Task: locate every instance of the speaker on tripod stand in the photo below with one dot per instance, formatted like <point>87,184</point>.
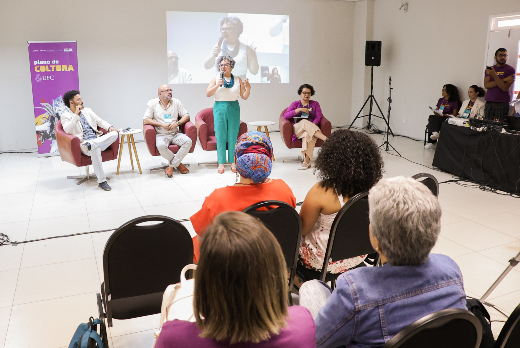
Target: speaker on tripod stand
<point>372,58</point>
<point>373,53</point>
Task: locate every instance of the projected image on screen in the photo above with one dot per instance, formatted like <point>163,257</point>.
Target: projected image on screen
<point>258,43</point>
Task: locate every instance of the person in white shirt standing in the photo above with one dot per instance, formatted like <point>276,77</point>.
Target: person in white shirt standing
<point>166,114</point>
<point>83,123</point>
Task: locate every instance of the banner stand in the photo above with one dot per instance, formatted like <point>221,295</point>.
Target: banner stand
<point>54,71</point>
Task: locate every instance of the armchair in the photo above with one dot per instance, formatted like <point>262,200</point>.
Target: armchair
<point>286,131</point>
<point>70,151</point>
<point>149,136</point>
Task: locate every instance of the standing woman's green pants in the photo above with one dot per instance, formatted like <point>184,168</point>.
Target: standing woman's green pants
<point>226,120</point>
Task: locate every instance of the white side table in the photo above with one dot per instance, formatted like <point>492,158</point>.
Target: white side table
<point>260,124</point>
<point>130,140</point>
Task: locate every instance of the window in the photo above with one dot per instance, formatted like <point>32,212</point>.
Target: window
<point>505,22</point>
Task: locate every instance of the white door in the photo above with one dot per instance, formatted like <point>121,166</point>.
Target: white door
<point>510,40</point>
<point>497,39</point>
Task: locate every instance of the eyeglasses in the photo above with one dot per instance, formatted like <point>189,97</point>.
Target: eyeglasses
<point>223,65</point>
<point>226,29</point>
<point>306,93</point>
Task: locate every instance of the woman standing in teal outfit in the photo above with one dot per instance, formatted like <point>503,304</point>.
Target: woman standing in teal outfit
<point>226,111</point>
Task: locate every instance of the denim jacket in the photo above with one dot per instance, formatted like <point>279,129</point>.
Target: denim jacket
<point>372,304</point>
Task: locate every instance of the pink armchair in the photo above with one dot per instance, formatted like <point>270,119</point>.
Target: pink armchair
<point>204,123</point>
<point>149,136</point>
<point>286,131</point>
<point>70,151</point>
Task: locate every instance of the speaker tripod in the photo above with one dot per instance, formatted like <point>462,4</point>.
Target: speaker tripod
<point>372,100</point>
<point>512,263</point>
<point>386,143</point>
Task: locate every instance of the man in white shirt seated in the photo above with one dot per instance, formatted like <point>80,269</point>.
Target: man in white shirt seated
<point>166,114</point>
<point>83,123</point>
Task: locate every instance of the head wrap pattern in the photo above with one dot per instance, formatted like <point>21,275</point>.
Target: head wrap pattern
<point>253,153</point>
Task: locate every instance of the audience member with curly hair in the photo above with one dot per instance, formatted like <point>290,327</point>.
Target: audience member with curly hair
<point>348,163</point>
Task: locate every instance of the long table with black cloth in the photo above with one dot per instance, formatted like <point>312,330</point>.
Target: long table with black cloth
<point>489,158</point>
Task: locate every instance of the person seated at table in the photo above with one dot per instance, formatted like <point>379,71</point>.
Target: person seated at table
<point>447,106</point>
<point>253,153</point>
<point>372,304</point>
<point>348,163</point>
<point>306,129</point>
<point>473,107</point>
<point>240,293</point>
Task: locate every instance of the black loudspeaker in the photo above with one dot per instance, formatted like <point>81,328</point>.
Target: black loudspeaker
<point>373,53</point>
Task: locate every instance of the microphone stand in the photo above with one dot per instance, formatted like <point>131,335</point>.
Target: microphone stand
<point>388,130</point>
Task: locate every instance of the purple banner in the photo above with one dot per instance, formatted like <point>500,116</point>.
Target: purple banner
<point>54,70</point>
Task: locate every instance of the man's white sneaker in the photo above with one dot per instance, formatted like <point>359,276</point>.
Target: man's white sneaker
<point>428,146</point>
<point>435,136</point>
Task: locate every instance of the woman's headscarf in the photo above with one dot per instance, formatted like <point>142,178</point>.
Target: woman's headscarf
<point>253,154</point>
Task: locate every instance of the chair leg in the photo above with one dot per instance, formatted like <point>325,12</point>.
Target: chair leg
<point>165,165</point>
<point>103,330</point>
<point>425,135</point>
<point>83,178</point>
<point>299,159</point>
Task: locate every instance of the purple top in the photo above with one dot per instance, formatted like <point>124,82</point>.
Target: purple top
<point>448,106</point>
<point>299,333</point>
<point>495,94</point>
<point>314,115</point>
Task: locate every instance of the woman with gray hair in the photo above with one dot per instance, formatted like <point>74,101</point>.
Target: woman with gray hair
<point>372,304</point>
<point>243,51</point>
<point>226,111</point>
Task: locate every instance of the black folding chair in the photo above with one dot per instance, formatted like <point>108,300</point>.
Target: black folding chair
<point>429,181</point>
<point>348,234</point>
<point>139,262</point>
<point>510,335</point>
<point>284,222</point>
<point>449,328</point>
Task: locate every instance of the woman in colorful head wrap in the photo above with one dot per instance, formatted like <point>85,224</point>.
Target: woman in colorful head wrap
<point>253,154</point>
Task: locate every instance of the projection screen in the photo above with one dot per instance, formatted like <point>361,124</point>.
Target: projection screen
<point>259,44</point>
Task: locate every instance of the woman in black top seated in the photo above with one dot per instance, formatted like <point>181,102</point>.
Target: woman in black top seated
<point>447,106</point>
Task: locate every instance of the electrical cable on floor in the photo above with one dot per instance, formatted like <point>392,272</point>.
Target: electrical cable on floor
<point>4,239</point>
<point>4,152</point>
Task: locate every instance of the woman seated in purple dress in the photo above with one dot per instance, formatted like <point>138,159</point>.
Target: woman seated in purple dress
<point>447,106</point>
<point>305,115</point>
<point>240,297</point>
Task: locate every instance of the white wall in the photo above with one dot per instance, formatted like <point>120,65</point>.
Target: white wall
<point>122,58</point>
<point>434,43</point>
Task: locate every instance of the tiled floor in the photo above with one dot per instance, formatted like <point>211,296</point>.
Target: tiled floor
<point>49,287</point>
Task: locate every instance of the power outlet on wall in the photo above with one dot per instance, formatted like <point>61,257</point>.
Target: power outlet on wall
<point>404,120</point>
<point>409,121</point>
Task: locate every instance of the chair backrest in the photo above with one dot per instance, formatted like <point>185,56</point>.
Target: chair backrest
<point>448,328</point>
<point>349,232</point>
<point>429,180</point>
<point>207,116</point>
<point>510,335</point>
<point>144,259</point>
<point>285,223</point>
